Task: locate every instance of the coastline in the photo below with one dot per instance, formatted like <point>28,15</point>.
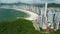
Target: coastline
<point>33,16</point>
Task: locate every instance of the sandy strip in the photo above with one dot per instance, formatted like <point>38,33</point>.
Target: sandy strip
<point>33,16</point>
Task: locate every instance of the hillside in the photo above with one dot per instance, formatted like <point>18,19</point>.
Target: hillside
<point>20,26</point>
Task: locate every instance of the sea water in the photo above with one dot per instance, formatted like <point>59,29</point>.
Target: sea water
<point>10,14</point>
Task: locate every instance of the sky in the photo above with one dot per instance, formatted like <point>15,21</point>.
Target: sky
<point>30,1</point>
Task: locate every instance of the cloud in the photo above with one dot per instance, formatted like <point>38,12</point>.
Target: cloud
<point>8,1</point>
<point>30,1</point>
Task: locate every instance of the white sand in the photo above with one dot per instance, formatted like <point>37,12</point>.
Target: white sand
<point>33,16</point>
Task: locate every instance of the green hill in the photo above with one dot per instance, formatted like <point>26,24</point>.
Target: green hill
<point>20,26</point>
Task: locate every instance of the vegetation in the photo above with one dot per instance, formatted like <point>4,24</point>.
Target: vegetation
<point>20,26</point>
<point>53,5</point>
<point>49,5</point>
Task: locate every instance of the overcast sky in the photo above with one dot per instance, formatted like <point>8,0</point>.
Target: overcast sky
<point>30,1</point>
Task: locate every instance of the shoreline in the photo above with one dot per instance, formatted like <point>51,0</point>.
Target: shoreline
<point>33,16</point>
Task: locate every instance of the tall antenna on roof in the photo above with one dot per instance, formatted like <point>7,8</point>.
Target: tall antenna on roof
<point>46,8</point>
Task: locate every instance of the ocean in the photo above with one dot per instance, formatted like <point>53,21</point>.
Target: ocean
<point>10,14</point>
